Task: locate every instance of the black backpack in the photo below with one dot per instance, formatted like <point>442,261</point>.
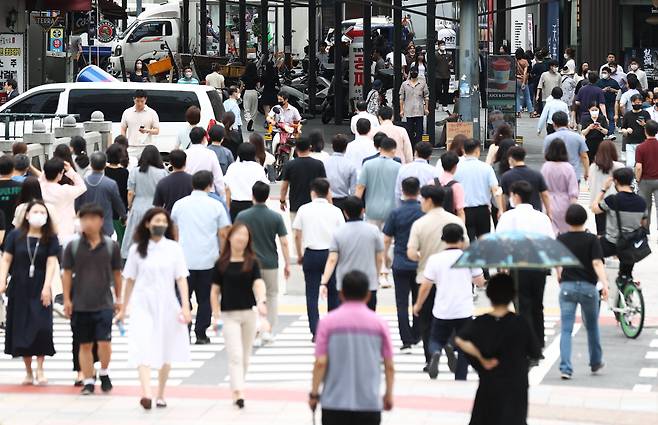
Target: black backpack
<point>449,198</point>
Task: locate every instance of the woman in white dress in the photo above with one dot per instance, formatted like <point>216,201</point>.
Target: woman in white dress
<point>158,334</point>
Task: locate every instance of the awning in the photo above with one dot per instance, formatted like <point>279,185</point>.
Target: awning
<point>111,10</point>
<point>62,5</point>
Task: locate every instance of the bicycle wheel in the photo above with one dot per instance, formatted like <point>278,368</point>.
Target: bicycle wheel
<point>632,317</point>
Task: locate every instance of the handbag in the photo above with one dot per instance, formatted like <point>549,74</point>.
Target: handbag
<point>632,247</point>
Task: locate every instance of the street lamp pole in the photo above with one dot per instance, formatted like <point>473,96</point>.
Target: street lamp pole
<point>469,95</point>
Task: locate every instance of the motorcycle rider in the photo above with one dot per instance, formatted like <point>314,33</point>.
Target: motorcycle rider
<point>285,117</point>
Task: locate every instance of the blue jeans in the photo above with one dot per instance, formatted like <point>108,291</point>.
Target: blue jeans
<point>313,266</point>
<point>610,114</point>
<point>523,98</point>
<point>442,330</point>
<point>405,283</point>
<point>585,294</point>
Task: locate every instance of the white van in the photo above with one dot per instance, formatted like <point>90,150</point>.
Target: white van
<point>170,101</point>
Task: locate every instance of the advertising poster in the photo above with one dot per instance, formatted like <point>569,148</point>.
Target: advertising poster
<point>356,69</point>
<point>648,57</point>
<point>519,26</point>
<point>553,28</point>
<point>12,57</point>
<point>501,93</point>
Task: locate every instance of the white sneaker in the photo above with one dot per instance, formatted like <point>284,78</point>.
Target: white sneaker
<point>384,282</point>
<point>267,338</point>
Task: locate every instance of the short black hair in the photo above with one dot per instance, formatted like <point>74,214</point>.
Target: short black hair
<point>411,186</point>
<point>576,215</point>
<point>623,176</point>
<point>449,160</point>
<point>361,105</point>
<point>320,186</point>
<point>260,191</point>
<point>13,83</point>
<point>377,139</point>
<point>353,207</point>
<point>196,135</point>
<point>593,76</point>
<point>283,94</point>
<point>233,90</point>
<point>185,68</point>
<point>363,126</point>
<point>517,153</point>
<point>385,112</point>
<point>303,145</point>
<point>557,93</point>
<point>388,145</point>
<point>471,145</point>
<point>435,193</point>
<point>115,153</point>
<point>98,161</point>
<point>552,62</point>
<point>21,162</point>
<point>139,93</point>
<point>560,119</point>
<point>6,165</point>
<point>247,152</point>
<point>339,143</point>
<point>424,150</point>
<point>500,289</point>
<point>355,286</point>
<point>216,133</point>
<point>91,208</point>
<point>51,168</point>
<point>651,128</point>
<point>636,97</point>
<point>452,233</point>
<point>177,158</point>
<point>523,189</point>
<point>201,180</point>
<point>556,151</point>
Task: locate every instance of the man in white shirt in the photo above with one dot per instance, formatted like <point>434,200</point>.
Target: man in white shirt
<point>139,123</point>
<point>453,301</point>
<point>215,79</point>
<point>314,226</point>
<point>524,218</point>
<point>403,149</point>
<point>231,105</point>
<point>554,104</point>
<point>362,107</point>
<point>634,68</point>
<point>240,178</point>
<point>362,146</point>
<point>199,157</point>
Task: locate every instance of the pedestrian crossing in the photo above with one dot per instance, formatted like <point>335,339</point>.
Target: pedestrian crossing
<point>59,368</point>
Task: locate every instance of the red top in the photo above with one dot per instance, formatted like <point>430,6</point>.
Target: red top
<point>647,155</point>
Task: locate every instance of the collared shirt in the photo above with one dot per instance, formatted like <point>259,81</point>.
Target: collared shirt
<point>103,191</point>
<point>62,198</point>
<point>421,169</point>
<point>423,235</point>
<point>620,78</point>
<point>575,144</point>
<point>374,122</point>
<point>172,188</point>
<point>341,174</point>
<point>625,100</point>
<point>547,82</point>
<point>317,221</point>
<point>231,105</point>
<point>525,218</point>
<point>414,97</point>
<point>183,136</point>
<point>552,106</point>
<point>378,176</point>
<point>200,158</point>
<point>132,120</point>
<point>358,149</point>
<point>653,113</point>
<point>288,115</point>
<point>215,79</point>
<point>357,243</point>
<point>355,384</point>
<point>398,225</point>
<point>477,178</point>
<point>199,218</point>
<point>240,178</point>
<point>403,149</point>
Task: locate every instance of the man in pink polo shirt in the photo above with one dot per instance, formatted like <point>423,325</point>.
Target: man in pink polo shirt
<point>449,161</point>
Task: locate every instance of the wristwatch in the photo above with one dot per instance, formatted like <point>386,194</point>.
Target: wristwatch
<point>313,396</point>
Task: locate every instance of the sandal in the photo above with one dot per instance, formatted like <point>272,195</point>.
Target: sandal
<point>28,380</point>
<point>41,378</point>
<point>146,403</point>
<point>160,403</point>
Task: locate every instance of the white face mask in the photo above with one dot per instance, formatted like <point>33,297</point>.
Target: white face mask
<point>605,76</point>
<point>188,75</point>
<point>442,48</point>
<point>594,114</point>
<point>511,202</point>
<point>634,67</point>
<point>37,219</point>
<point>566,56</point>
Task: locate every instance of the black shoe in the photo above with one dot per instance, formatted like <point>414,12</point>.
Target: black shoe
<point>250,125</point>
<point>202,340</point>
<point>78,384</point>
<point>405,349</point>
<point>240,403</point>
<point>106,383</point>
<point>598,367</point>
<point>426,367</point>
<point>88,389</point>
<point>433,368</point>
<point>146,403</point>
<point>452,357</point>
<point>533,363</point>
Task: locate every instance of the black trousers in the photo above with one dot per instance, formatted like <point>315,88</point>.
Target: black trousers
<point>76,350</point>
<point>531,300</point>
<point>199,283</point>
<point>415,129</point>
<point>313,267</point>
<point>600,220</point>
<point>425,319</point>
<point>237,207</point>
<point>405,284</point>
<point>610,250</point>
<point>550,129</point>
<point>478,221</point>
<point>443,91</point>
<point>349,417</point>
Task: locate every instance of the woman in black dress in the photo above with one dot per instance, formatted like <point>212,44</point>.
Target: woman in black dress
<point>270,83</point>
<point>31,258</point>
<point>499,345</point>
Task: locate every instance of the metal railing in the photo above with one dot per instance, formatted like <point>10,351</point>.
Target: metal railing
<point>20,119</point>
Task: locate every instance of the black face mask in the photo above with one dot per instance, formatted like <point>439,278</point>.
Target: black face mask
<point>637,107</point>
<point>413,75</point>
<point>282,103</point>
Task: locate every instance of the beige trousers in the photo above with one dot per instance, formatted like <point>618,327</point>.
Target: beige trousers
<point>239,335</point>
<point>271,278</point>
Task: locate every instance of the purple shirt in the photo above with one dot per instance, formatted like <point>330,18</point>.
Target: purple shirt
<point>587,95</point>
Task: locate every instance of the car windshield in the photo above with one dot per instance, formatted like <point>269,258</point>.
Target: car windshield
<point>127,31</point>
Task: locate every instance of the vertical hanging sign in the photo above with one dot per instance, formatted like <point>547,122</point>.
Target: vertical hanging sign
<point>519,26</point>
<point>12,56</point>
<point>553,28</point>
